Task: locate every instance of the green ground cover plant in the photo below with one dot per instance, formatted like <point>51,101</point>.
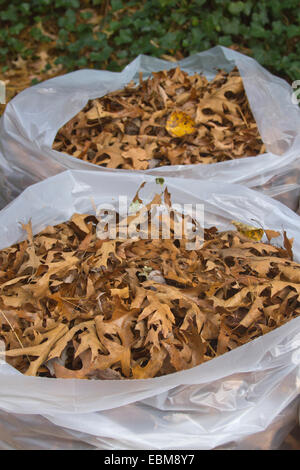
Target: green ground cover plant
<point>108,34</point>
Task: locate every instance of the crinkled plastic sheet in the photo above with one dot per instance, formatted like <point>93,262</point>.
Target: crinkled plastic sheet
<point>246,398</point>
<point>32,119</point>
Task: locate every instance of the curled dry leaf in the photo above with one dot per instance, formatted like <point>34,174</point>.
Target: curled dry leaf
<point>74,306</point>
<point>254,233</point>
<point>169,119</point>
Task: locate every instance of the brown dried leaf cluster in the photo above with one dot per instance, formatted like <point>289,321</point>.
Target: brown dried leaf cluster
<point>128,128</point>
<point>75,306</point>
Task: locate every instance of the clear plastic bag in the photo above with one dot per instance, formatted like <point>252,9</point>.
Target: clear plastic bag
<point>246,398</point>
<point>32,119</point>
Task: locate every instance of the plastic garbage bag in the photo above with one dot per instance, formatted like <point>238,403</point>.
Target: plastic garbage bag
<point>246,398</point>
<point>32,119</point>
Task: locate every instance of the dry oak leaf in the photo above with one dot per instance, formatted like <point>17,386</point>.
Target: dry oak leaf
<point>249,231</point>
<point>41,351</point>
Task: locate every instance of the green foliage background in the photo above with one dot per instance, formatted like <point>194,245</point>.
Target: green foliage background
<point>109,34</point>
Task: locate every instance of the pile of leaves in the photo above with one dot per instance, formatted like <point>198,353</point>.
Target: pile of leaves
<point>73,305</point>
<point>169,119</point>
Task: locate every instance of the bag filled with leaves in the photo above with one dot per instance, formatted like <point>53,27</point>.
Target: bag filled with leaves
<point>198,330</point>
<point>203,117</point>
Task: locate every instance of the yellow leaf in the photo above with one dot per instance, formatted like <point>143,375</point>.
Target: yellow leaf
<point>180,124</point>
<point>253,233</point>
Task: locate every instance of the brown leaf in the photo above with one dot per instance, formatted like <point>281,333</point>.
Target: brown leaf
<point>271,234</point>
<point>288,243</point>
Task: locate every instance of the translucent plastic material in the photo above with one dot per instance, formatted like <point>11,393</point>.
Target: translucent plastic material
<point>32,119</point>
<point>246,398</point>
